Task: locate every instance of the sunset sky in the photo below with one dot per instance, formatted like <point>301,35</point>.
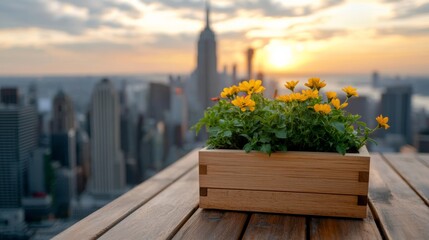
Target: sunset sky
<point>42,37</point>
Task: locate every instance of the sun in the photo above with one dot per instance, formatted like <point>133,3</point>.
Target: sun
<point>278,55</point>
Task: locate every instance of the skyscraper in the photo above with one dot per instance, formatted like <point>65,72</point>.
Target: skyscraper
<point>18,140</point>
<point>396,104</point>
<point>207,76</point>
<point>107,167</point>
<point>9,95</point>
<point>63,118</point>
<point>249,56</point>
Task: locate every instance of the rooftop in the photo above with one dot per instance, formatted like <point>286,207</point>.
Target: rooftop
<point>166,206</point>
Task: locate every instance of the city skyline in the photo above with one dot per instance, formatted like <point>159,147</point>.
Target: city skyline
<point>130,36</point>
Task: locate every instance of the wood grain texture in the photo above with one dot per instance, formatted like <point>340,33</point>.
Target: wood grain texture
<point>283,202</point>
<point>413,171</point>
<point>163,215</point>
<point>290,171</point>
<point>280,183</point>
<point>100,221</point>
<point>402,214</point>
<point>306,182</point>
<point>275,226</point>
<point>213,224</point>
<point>424,158</point>
<point>322,228</point>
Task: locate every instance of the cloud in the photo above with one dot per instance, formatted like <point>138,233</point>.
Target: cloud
<point>69,16</point>
<point>404,31</point>
<point>271,8</point>
<point>413,11</point>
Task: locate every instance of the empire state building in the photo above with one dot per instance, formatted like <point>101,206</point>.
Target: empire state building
<point>208,85</point>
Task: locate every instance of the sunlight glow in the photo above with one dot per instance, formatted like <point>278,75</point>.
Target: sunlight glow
<point>279,55</point>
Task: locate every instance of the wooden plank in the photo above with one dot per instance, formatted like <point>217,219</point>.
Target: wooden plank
<point>213,224</point>
<point>401,213</point>
<point>286,160</point>
<point>339,228</point>
<point>275,226</point>
<point>282,183</point>
<point>363,154</point>
<point>290,171</point>
<point>284,202</point>
<point>413,171</point>
<point>424,158</point>
<point>100,221</point>
<point>163,215</point>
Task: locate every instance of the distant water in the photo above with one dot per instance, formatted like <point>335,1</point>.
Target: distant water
<point>363,83</point>
<point>80,87</point>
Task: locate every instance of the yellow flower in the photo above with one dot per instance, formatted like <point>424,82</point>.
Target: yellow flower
<point>322,108</point>
<point>315,83</point>
<point>382,121</point>
<point>244,103</point>
<point>299,97</point>
<point>284,98</point>
<point>291,85</point>
<point>252,86</point>
<point>229,92</point>
<point>336,103</point>
<point>350,91</point>
<point>331,95</point>
<point>310,93</point>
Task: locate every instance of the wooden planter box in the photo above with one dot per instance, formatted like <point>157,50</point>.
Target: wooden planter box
<point>309,183</point>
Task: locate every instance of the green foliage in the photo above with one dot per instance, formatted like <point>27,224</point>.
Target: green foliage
<point>276,125</point>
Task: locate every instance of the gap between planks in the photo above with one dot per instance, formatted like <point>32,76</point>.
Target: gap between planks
<point>176,230</point>
<point>141,204</point>
<point>377,220</point>
<point>405,179</point>
<point>185,165</point>
<point>246,223</point>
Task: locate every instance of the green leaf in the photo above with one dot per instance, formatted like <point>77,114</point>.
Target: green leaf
<point>341,149</point>
<point>213,130</point>
<point>281,134</point>
<point>227,133</point>
<point>264,139</point>
<point>248,147</point>
<point>266,148</point>
<point>339,126</point>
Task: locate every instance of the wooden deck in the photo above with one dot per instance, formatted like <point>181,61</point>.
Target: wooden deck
<point>166,207</point>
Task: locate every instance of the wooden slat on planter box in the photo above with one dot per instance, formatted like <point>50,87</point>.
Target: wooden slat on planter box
<point>284,202</point>
<point>280,183</point>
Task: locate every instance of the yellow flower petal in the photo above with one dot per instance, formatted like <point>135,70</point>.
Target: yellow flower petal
<point>382,121</point>
<point>291,85</point>
<point>322,108</point>
<point>350,91</point>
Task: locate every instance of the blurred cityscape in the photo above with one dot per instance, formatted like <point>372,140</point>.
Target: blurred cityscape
<point>71,144</point>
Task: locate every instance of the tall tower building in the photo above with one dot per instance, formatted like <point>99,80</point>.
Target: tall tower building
<point>396,104</point>
<point>249,56</point>
<point>18,140</point>
<point>207,76</point>
<point>107,167</point>
<point>63,113</point>
<point>234,74</point>
<point>63,141</point>
<point>9,95</point>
